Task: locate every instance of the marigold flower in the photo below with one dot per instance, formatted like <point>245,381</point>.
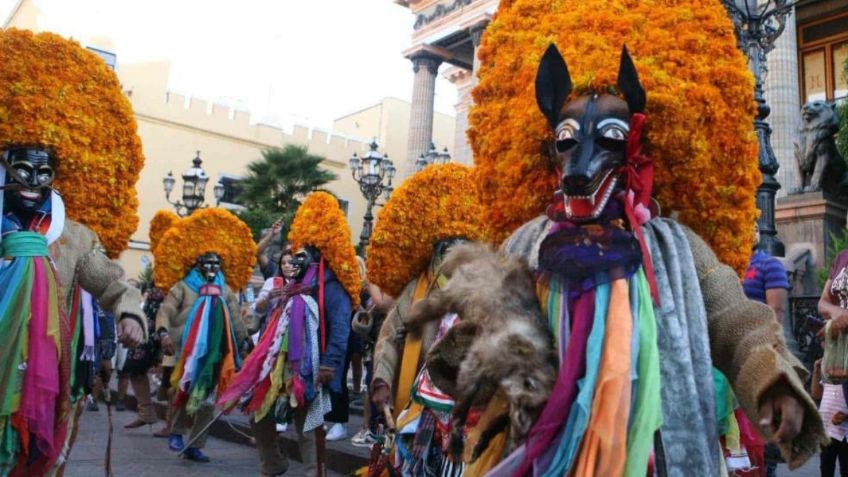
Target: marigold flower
<point>700,108</point>
<point>321,223</point>
<point>440,202</point>
<point>161,222</point>
<point>58,95</point>
<point>206,230</point>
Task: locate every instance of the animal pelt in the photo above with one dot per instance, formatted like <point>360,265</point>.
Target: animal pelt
<point>501,343</point>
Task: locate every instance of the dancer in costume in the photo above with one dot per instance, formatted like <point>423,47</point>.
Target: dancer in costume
<point>198,259</point>
<point>640,306</point>
<point>47,255</point>
<point>430,212</point>
<point>300,354</point>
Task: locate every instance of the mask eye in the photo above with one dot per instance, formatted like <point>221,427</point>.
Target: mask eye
<point>45,175</point>
<point>566,138</point>
<point>614,133</point>
<point>24,170</point>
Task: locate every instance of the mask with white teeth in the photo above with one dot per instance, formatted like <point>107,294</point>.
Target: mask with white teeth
<point>209,264</point>
<point>590,133</point>
<point>29,176</point>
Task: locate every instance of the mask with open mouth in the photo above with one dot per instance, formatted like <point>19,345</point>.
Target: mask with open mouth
<point>209,265</point>
<point>29,176</point>
<point>590,133</point>
<point>302,259</point>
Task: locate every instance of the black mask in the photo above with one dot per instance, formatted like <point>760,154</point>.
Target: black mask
<point>208,264</point>
<point>29,175</point>
<point>303,258</point>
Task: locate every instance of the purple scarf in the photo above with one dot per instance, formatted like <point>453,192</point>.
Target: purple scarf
<point>297,323</point>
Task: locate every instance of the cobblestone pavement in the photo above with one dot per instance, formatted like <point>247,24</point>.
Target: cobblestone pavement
<point>136,453</point>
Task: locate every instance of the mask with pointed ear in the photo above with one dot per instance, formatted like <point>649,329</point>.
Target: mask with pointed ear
<point>629,85</point>
<point>553,84</point>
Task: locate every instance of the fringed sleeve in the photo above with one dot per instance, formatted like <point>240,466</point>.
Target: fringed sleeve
<point>747,345</point>
<point>102,277</point>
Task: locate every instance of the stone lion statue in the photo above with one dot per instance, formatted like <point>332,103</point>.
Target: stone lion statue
<point>819,164</point>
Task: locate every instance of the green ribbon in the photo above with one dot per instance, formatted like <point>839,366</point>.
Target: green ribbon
<point>24,244</point>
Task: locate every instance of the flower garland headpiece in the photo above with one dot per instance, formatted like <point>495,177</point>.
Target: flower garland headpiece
<point>161,223</point>
<point>206,230</point>
<point>57,95</point>
<point>321,223</point>
<point>438,203</point>
<point>699,101</point>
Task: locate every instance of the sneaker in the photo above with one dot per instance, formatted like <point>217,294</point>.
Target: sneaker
<point>337,432</point>
<point>120,406</point>
<point>91,404</point>
<point>282,427</point>
<point>195,454</point>
<point>363,438</point>
<point>175,442</point>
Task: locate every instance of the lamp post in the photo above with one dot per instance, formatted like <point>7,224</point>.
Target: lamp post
<point>194,188</point>
<point>374,173</point>
<point>758,24</point>
<point>432,157</point>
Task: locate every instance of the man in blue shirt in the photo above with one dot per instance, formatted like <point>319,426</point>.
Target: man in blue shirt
<point>766,280</point>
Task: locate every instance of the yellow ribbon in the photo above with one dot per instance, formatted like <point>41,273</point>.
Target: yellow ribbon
<point>411,352</point>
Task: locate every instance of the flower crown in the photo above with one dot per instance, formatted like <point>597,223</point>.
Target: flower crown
<point>700,108</point>
<point>321,223</point>
<point>206,230</point>
<point>438,203</point>
<point>57,95</point>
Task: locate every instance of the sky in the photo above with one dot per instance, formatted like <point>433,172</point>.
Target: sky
<point>304,61</point>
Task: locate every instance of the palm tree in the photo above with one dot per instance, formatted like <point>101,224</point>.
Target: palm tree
<point>275,185</point>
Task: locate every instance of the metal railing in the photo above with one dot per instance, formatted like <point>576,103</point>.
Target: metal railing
<point>805,323</point>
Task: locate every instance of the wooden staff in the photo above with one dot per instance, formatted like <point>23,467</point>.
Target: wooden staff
<point>320,450</point>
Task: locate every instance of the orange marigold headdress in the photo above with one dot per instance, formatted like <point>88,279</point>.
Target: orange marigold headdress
<point>321,223</point>
<point>700,108</point>
<point>58,95</point>
<point>161,222</point>
<point>206,230</point>
<point>438,203</point>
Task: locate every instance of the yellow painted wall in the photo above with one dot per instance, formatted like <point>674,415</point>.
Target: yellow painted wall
<point>388,121</point>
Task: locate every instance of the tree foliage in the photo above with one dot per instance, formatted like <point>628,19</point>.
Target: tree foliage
<point>282,178</point>
<point>275,185</point>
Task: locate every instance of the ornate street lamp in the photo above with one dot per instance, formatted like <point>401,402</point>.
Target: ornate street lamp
<point>432,157</point>
<point>758,24</point>
<point>194,188</point>
<point>374,173</point>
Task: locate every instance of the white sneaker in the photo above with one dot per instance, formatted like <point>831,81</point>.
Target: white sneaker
<point>337,432</point>
<point>363,438</point>
<point>282,427</point>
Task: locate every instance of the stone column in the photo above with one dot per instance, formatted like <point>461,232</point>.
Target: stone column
<point>464,154</point>
<point>476,33</point>
<point>462,79</point>
<point>425,65</point>
<point>782,92</point>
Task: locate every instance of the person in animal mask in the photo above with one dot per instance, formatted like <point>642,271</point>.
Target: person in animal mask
<point>198,322</point>
<point>628,293</point>
<point>299,357</point>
